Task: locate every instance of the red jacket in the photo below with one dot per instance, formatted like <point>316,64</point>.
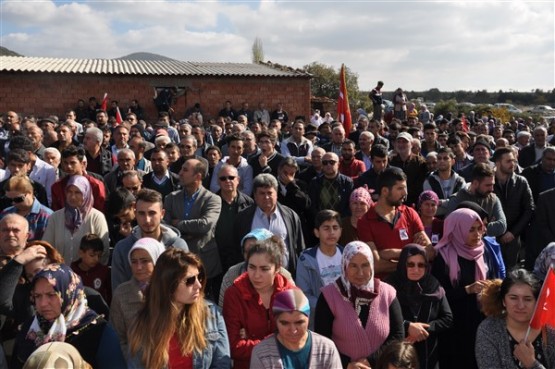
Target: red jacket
<point>243,308</point>
<point>97,187</point>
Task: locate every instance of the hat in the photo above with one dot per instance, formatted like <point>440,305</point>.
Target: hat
<point>56,355</point>
<point>481,142</point>
<point>259,234</point>
<point>427,195</point>
<point>404,135</point>
<point>291,300</point>
<point>150,245</point>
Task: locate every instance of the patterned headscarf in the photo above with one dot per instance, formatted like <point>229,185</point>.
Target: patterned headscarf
<point>75,312</point>
<point>453,244</point>
<point>426,196</point>
<point>544,261</point>
<point>74,217</point>
<point>361,194</point>
<point>291,300</point>
<point>353,248</point>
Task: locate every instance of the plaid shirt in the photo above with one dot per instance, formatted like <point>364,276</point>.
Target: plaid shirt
<point>37,218</point>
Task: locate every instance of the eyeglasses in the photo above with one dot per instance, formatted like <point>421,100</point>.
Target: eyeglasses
<point>410,264</point>
<point>192,279</point>
<point>329,162</point>
<point>18,199</point>
<point>228,178</point>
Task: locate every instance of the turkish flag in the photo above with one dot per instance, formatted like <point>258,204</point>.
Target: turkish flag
<point>545,307</point>
<point>119,119</point>
<point>104,105</point>
<point>343,109</point>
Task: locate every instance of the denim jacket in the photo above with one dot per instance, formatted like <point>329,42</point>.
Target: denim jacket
<point>215,356</point>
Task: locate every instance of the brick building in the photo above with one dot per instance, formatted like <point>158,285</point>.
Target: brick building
<point>43,86</point>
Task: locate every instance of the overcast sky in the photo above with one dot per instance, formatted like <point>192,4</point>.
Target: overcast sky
<point>417,45</point>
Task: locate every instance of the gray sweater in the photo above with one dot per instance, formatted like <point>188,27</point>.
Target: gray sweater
<point>493,349</point>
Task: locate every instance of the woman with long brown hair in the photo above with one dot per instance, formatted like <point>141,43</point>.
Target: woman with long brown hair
<point>184,331</point>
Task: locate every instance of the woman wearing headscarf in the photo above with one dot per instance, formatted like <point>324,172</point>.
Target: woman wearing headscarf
<point>359,203</point>
<point>461,270</point>
<point>545,260</point>
<point>358,312</point>
<point>423,302</point>
<point>427,204</point>
<point>67,226</point>
<point>128,297</point>
<point>62,315</point>
<point>298,347</point>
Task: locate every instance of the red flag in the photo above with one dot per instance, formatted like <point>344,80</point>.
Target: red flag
<point>343,110</point>
<point>119,119</point>
<point>465,123</point>
<point>545,307</point>
<point>104,105</point>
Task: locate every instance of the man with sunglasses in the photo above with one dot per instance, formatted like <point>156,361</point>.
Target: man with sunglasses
<point>233,201</point>
<point>331,190</point>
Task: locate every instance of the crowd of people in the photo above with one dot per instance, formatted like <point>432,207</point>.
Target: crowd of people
<point>261,240</point>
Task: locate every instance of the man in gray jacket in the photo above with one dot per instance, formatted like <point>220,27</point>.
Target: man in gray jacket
<point>149,213</point>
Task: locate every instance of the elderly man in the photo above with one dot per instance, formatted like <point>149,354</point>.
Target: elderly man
<point>233,201</point>
<point>194,210</point>
<point>99,160</point>
<point>126,162</point>
<point>14,232</point>
<point>532,153</point>
<point>337,139</point>
<point>138,145</point>
<point>365,143</point>
<point>36,136</point>
<point>267,213</point>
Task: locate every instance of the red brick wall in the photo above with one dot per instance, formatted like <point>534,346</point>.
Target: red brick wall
<point>42,94</point>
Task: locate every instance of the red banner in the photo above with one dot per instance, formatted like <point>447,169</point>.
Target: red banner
<point>343,109</point>
<point>545,307</point>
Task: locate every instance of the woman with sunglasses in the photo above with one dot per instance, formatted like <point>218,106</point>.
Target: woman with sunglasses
<point>19,191</point>
<point>129,296</point>
<point>461,270</point>
<point>177,327</point>
<point>68,225</point>
<point>247,303</point>
<point>426,312</point>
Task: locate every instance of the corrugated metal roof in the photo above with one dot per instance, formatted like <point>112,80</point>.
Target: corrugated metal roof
<point>145,67</point>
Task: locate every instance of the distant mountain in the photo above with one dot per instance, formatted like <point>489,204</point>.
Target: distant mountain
<point>8,52</point>
<point>144,56</point>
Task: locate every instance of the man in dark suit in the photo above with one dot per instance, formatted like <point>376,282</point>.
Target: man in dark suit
<point>532,153</point>
<point>269,214</point>
<point>194,210</point>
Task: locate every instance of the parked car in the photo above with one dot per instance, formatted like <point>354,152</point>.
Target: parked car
<point>509,107</point>
<point>542,109</point>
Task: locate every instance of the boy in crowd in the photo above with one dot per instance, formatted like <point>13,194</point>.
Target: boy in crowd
<point>321,265</point>
<point>88,267</point>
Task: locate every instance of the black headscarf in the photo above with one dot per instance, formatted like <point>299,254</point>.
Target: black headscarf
<point>414,292</point>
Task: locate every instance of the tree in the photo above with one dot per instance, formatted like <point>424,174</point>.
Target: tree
<point>325,81</point>
<point>257,50</point>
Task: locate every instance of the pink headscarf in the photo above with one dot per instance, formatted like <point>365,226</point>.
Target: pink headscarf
<point>453,244</point>
<point>362,194</point>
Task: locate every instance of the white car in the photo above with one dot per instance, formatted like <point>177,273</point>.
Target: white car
<point>542,109</point>
<point>509,107</point>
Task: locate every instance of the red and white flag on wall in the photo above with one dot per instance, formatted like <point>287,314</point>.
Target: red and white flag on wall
<point>343,109</point>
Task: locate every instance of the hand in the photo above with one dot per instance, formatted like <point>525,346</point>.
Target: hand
<point>418,332</point>
<point>125,229</point>
<point>30,254</point>
<point>390,254</point>
<point>421,239</point>
<point>263,160</point>
<point>243,333</point>
<point>430,252</point>
<point>476,287</point>
<point>308,159</point>
<point>524,352</point>
<point>507,237</point>
<point>285,178</point>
